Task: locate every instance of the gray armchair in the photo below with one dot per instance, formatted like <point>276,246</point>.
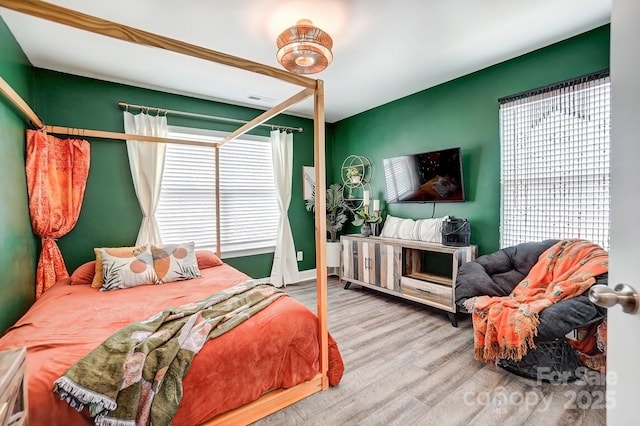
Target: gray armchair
<point>496,274</point>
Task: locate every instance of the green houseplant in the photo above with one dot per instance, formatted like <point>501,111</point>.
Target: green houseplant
<point>353,174</point>
<point>362,216</point>
<point>364,220</point>
<point>336,209</point>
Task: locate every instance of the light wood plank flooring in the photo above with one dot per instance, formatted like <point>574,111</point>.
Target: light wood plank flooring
<point>406,365</point>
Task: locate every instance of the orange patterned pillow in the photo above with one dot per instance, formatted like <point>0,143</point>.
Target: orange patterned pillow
<point>124,252</point>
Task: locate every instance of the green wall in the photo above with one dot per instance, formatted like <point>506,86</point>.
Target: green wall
<point>110,214</point>
<point>17,242</point>
<point>464,112</point>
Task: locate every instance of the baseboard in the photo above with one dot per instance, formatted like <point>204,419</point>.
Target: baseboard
<point>308,275</point>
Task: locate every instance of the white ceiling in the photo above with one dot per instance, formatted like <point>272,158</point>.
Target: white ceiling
<point>383,50</point>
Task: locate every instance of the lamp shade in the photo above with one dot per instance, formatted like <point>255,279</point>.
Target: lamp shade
<point>304,49</point>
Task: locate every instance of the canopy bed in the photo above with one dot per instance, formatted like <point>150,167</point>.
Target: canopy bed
<point>266,402</point>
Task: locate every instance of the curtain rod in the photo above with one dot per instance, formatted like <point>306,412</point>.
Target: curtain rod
<point>36,122</point>
<point>555,86</point>
<point>203,116</point>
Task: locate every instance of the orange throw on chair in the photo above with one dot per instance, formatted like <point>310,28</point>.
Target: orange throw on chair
<point>57,173</point>
<point>504,327</point>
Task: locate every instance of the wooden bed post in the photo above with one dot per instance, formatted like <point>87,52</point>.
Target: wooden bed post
<point>321,228</point>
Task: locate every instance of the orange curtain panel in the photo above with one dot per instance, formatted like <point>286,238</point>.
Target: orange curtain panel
<point>57,173</point>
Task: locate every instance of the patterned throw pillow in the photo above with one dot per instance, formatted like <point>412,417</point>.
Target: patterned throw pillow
<point>126,272</point>
<point>113,251</point>
<point>175,262</point>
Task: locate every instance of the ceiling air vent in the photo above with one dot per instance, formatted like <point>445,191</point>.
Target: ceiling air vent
<point>260,98</point>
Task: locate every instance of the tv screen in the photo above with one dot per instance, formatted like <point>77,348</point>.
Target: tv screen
<point>428,177</point>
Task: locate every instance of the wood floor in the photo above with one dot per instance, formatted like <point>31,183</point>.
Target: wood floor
<point>406,365</point>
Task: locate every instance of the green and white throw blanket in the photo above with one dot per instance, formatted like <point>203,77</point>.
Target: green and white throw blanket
<point>135,376</point>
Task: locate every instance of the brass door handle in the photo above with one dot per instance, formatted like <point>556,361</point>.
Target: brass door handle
<point>623,294</point>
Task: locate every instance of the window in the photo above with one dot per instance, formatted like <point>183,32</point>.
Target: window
<point>249,213</point>
<point>555,162</point>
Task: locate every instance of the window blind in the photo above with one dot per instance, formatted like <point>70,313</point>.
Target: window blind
<point>555,163</point>
<point>249,213</point>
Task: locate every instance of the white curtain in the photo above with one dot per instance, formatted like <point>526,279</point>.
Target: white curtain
<point>146,161</point>
<point>285,266</point>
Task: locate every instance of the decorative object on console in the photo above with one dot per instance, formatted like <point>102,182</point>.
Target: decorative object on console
<point>304,48</point>
<point>365,220</point>
<point>375,227</point>
<point>456,232</point>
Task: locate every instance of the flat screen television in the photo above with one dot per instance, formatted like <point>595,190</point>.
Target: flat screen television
<point>427,177</point>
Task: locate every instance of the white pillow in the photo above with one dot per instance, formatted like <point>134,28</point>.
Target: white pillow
<point>428,230</point>
<point>390,227</point>
<point>405,229</point>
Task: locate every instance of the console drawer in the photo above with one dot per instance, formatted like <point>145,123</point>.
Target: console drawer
<point>438,293</point>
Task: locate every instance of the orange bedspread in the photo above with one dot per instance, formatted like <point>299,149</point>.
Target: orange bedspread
<point>276,348</point>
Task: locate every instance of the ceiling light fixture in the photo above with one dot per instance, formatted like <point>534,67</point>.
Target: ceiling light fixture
<point>304,49</point>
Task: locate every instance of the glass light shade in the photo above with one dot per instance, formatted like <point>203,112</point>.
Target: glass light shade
<point>304,49</point>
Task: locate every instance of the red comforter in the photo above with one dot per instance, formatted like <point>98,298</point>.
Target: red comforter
<point>276,348</point>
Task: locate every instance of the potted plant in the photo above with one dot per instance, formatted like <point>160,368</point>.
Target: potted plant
<point>336,218</point>
<point>354,174</point>
<point>364,220</point>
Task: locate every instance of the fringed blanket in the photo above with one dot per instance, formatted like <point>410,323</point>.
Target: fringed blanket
<point>504,327</point>
<point>135,376</point>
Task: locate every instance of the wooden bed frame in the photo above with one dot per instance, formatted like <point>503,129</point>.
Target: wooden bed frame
<point>280,398</point>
